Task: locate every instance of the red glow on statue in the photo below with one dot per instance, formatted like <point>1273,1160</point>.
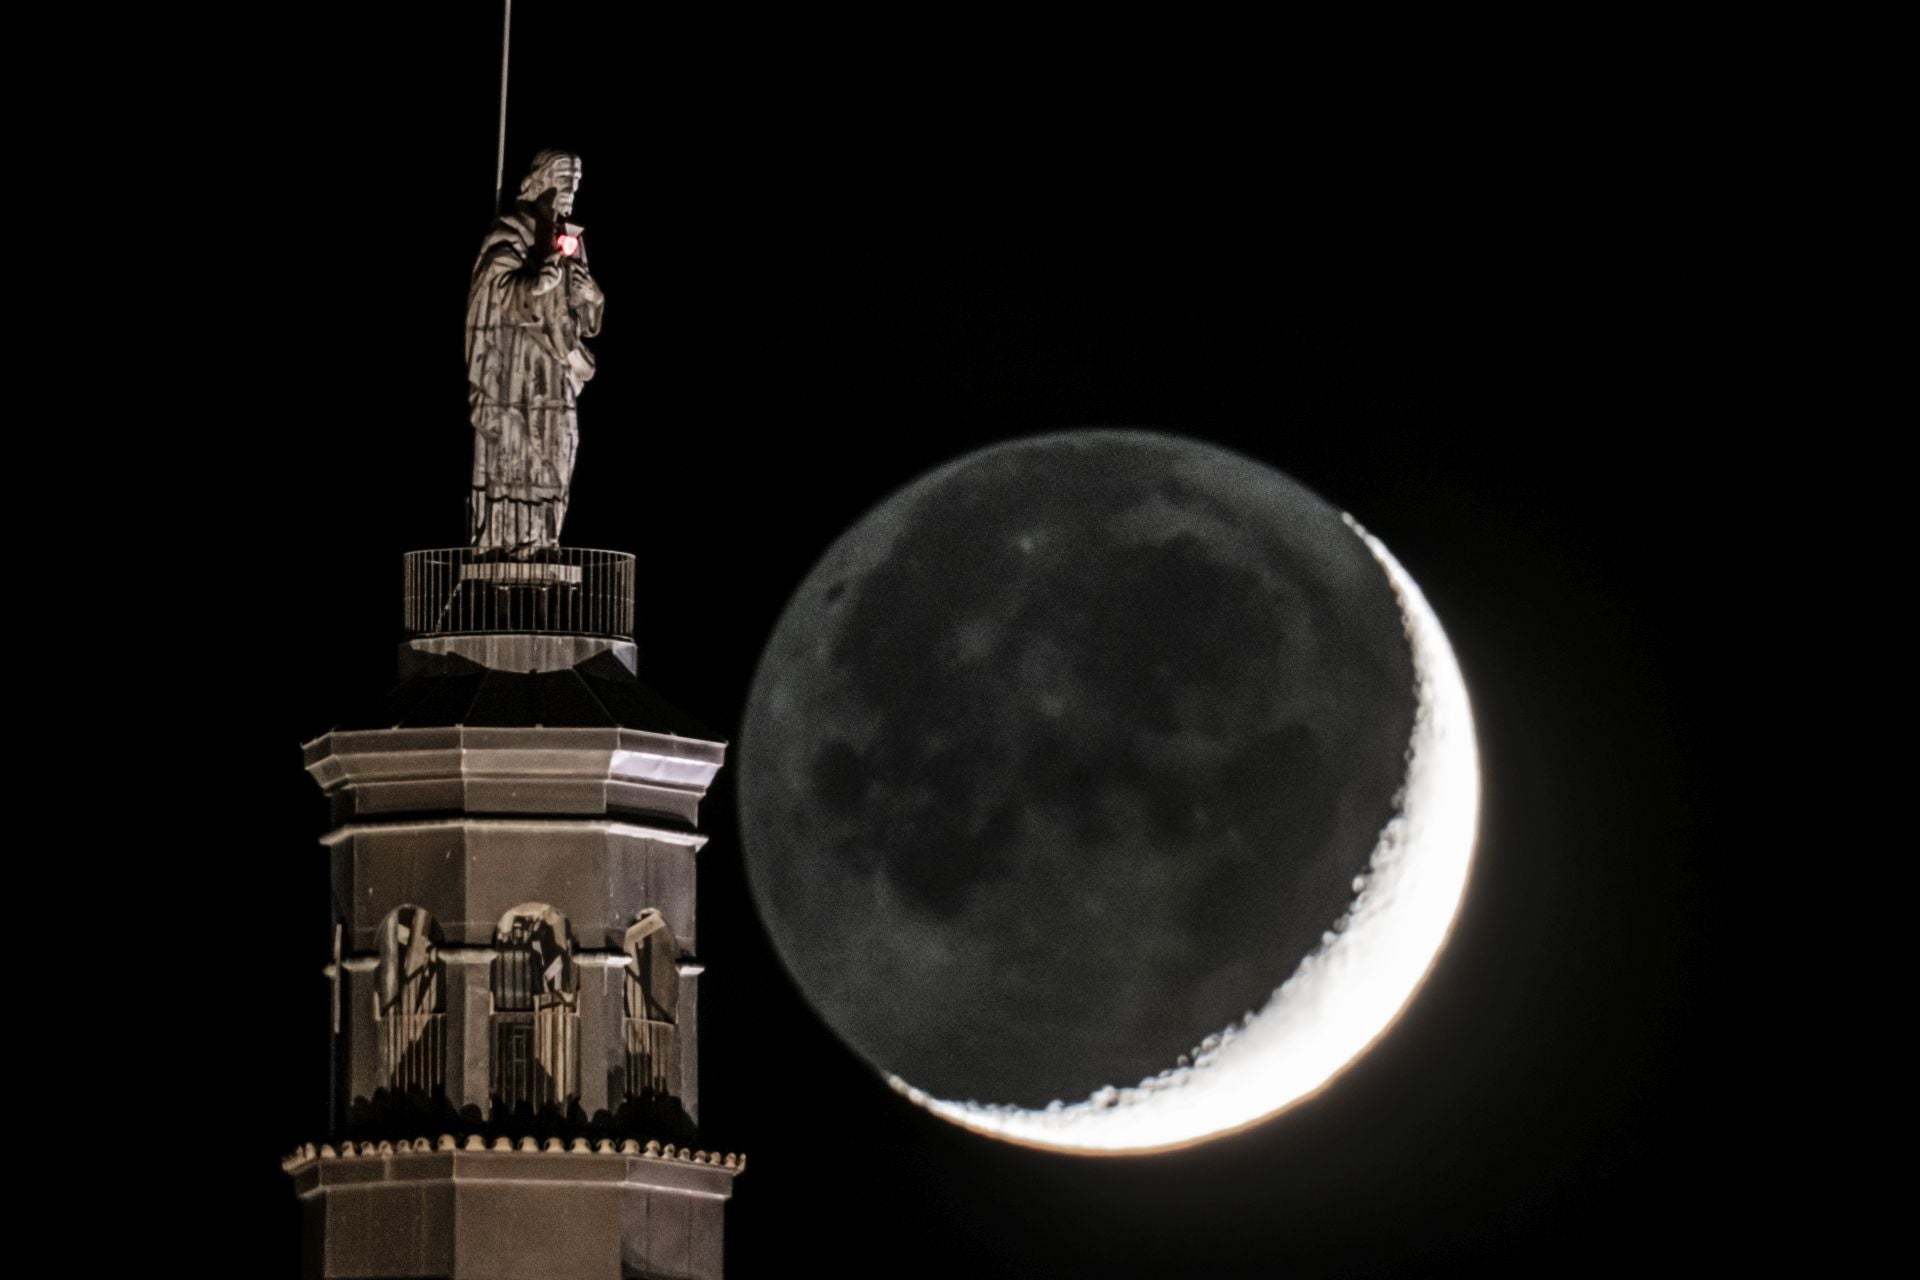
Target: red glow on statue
<point>568,245</point>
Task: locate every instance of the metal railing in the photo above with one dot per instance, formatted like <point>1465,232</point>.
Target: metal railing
<point>457,591</point>
<point>536,1031</point>
<point>653,1058</point>
<point>536,1058</point>
<point>413,1050</point>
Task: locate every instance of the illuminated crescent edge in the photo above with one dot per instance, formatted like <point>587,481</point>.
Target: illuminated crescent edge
<point>1348,992</point>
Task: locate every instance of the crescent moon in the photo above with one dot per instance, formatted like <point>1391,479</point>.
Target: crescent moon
<point>1347,993</point>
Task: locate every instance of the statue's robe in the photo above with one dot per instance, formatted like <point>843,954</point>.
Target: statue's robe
<point>526,363</point>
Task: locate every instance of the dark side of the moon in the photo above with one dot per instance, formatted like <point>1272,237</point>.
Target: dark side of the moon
<point>1066,756</point>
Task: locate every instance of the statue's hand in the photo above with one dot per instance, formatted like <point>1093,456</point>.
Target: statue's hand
<point>551,273</point>
<point>584,287</point>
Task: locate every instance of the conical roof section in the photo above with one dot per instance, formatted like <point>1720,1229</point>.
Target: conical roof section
<point>447,689</point>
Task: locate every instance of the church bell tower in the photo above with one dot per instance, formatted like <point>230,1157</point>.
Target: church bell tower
<point>515,964</point>
<point>515,971</point>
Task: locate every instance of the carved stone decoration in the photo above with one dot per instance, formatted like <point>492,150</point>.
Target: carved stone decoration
<point>531,305</point>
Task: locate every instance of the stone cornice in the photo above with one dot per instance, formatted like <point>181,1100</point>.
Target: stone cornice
<point>373,773</point>
<point>665,835</point>
<point>524,1158</point>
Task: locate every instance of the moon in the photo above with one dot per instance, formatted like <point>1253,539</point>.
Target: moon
<point>1107,791</point>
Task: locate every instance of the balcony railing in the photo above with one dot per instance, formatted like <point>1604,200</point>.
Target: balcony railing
<point>536,1058</point>
<point>413,1050</point>
<point>577,591</point>
<point>653,1058</point>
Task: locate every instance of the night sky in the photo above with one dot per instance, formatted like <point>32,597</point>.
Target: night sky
<point>816,292</point>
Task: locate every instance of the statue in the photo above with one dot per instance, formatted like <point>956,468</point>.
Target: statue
<point>531,305</point>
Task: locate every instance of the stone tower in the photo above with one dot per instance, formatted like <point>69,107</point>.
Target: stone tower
<point>515,974</point>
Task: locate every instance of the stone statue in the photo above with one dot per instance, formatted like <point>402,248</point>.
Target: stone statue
<point>531,305</point>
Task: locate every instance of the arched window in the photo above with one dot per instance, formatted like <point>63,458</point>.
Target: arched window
<point>536,1019</point>
<point>653,995</point>
<point>410,1003</point>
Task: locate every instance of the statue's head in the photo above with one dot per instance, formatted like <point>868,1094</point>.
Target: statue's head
<point>555,171</point>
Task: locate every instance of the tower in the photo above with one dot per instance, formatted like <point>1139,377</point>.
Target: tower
<point>515,973</point>
<point>514,979</point>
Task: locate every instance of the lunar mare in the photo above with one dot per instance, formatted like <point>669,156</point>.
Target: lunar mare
<point>1345,995</point>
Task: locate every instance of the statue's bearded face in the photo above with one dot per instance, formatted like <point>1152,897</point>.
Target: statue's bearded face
<point>566,182</point>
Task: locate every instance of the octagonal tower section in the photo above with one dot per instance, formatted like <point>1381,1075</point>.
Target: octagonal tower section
<point>515,956</point>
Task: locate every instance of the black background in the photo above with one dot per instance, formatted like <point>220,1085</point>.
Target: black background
<point>1464,334</point>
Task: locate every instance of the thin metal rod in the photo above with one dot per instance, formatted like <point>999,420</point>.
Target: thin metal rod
<point>500,154</point>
